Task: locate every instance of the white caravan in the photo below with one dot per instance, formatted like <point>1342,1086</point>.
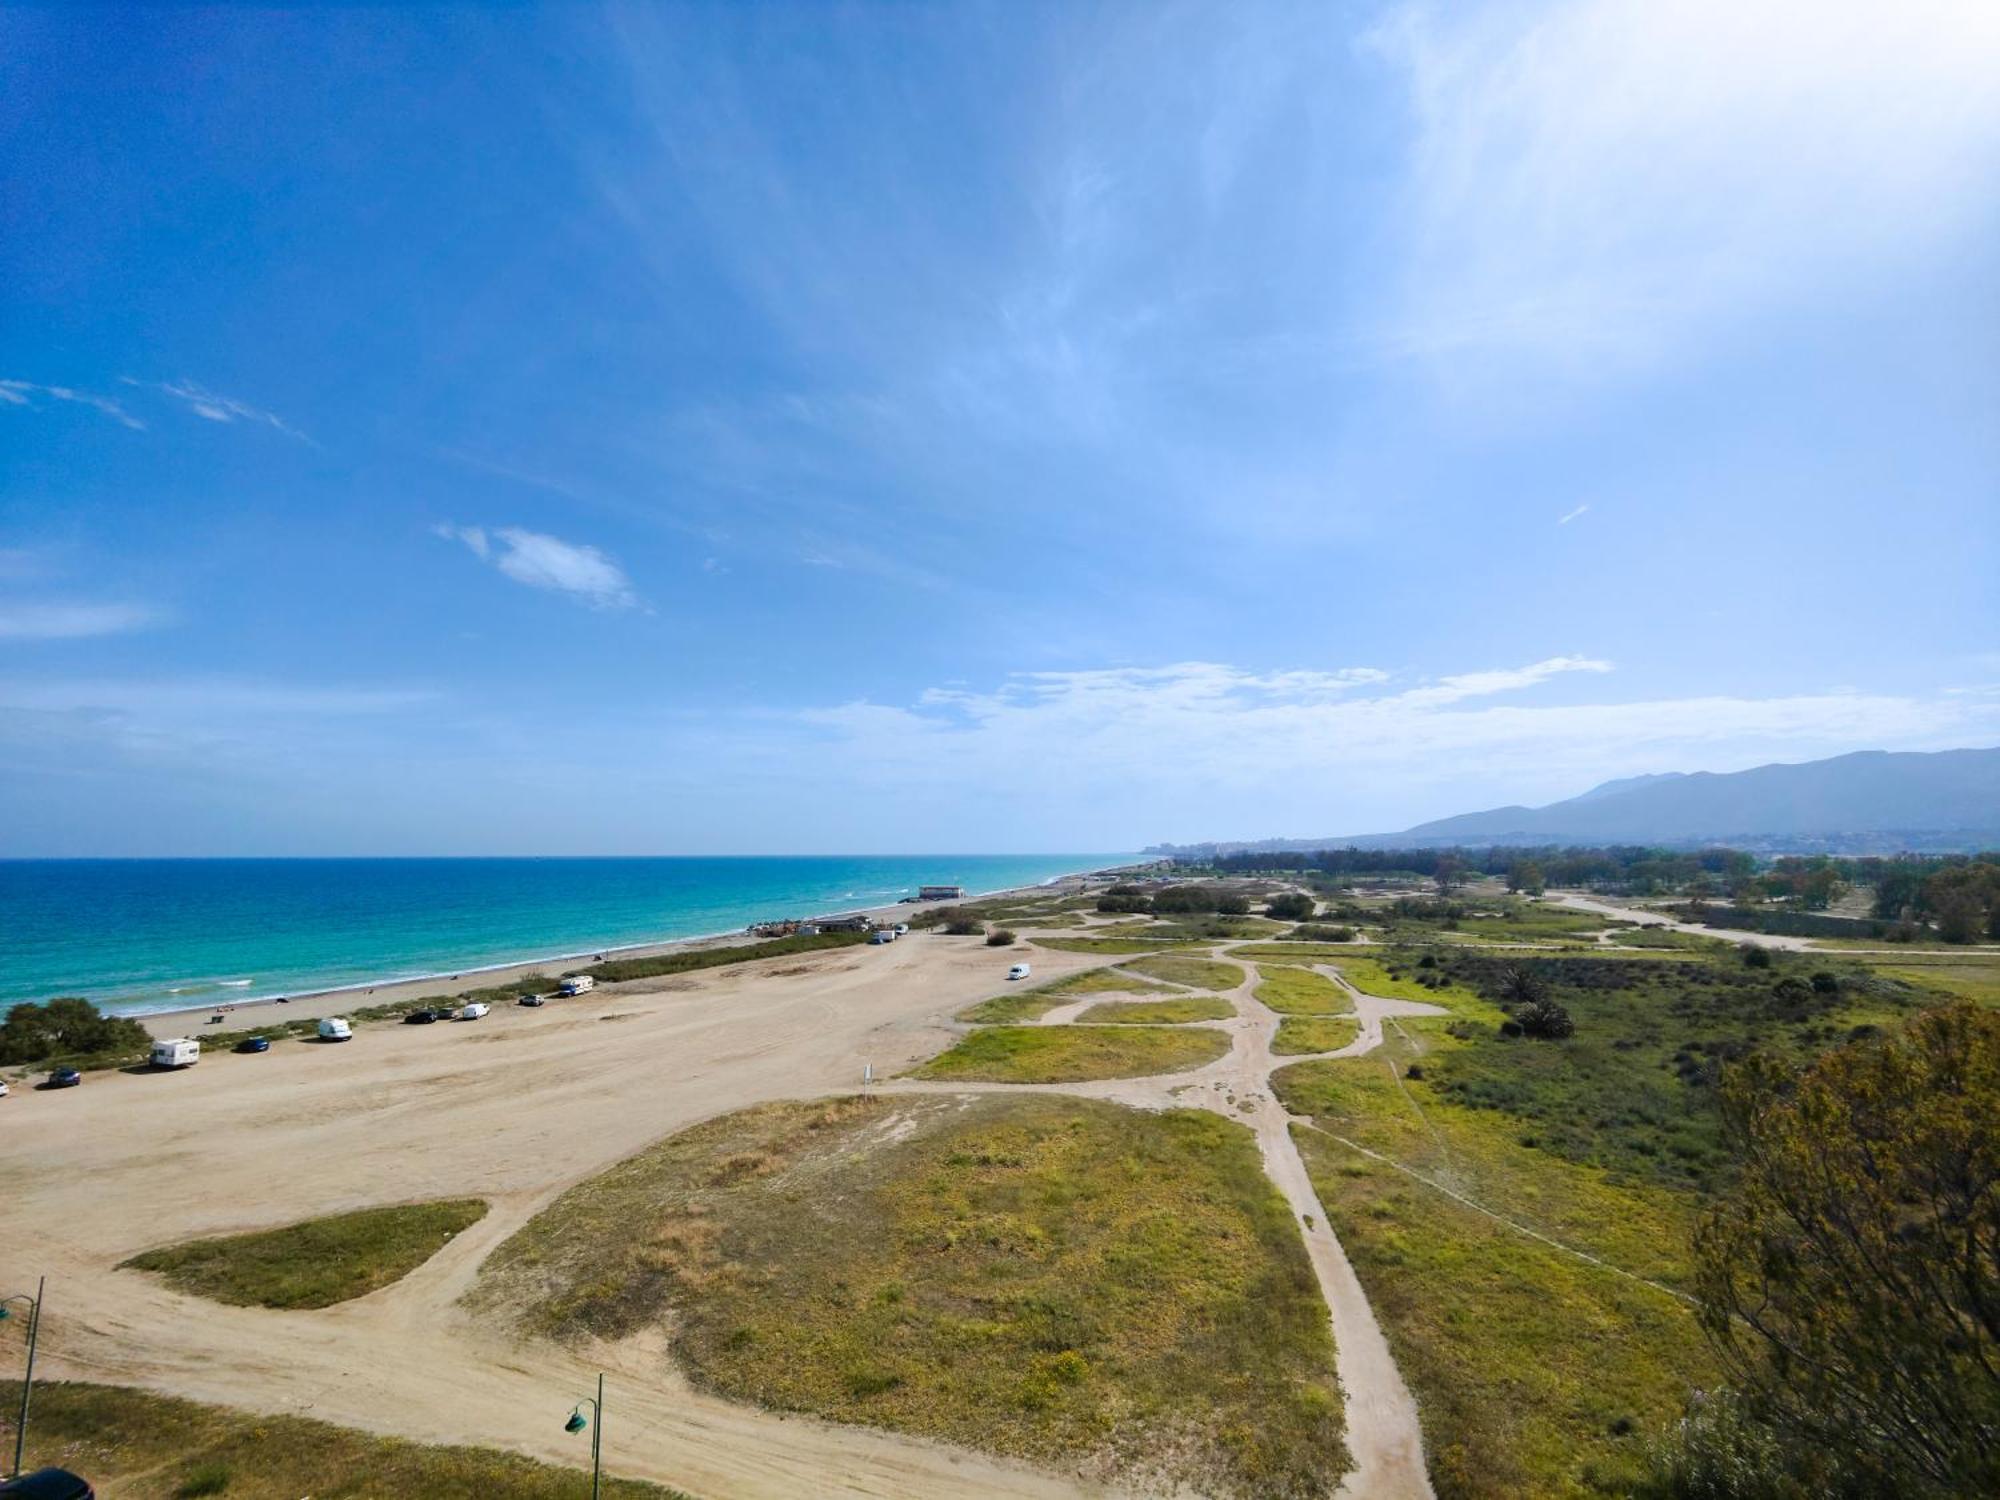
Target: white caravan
<point>176,1052</point>
<point>576,984</point>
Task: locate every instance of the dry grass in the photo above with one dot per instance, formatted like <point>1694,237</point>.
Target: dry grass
<point>1115,1292</point>
<point>1196,973</point>
<point>315,1263</point>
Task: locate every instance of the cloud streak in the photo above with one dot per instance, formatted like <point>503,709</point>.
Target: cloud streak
<point>546,562</point>
<point>67,621</point>
<point>25,392</point>
<point>211,406</point>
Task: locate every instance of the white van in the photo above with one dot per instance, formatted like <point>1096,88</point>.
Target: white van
<point>473,1011</point>
<point>335,1029</point>
<point>176,1052</point>
<point>577,984</point>
<point>902,929</point>
<point>882,935</point>
<point>1019,971</point>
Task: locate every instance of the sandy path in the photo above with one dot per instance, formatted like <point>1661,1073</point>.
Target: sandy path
<point>1383,1433</point>
<point>514,1108</point>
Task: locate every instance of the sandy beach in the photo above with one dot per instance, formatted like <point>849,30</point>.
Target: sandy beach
<point>241,1015</point>
<point>513,1108</point>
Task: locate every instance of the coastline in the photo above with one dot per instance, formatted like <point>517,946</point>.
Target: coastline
<point>192,1020</point>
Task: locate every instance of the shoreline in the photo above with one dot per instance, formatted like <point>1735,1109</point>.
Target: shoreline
<point>192,1020</point>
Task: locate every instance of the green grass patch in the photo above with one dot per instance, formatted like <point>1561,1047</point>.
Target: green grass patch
<point>142,1446</point>
<point>315,1263</point>
<point>1175,1012</point>
<point>1397,975</point>
<point>1537,1374</point>
<point>1300,992</point>
<point>1314,952</point>
<point>1071,1054</point>
<point>1197,973</point>
<point>1118,1293</point>
<point>1031,1004</point>
<point>1299,1034</point>
<point>1107,944</point>
<point>1964,975</point>
<point>617,970</point>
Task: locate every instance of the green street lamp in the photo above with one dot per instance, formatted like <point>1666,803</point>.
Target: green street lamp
<point>595,1422</point>
<point>27,1380</point>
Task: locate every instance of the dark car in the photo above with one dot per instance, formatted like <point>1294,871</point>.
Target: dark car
<point>254,1044</point>
<point>48,1484</point>
<point>420,1018</point>
<point>533,1000</point>
<point>65,1078</point>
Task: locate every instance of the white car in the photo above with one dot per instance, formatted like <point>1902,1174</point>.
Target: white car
<point>1019,971</point>
<point>902,929</point>
<point>474,1011</point>
<point>3,1088</point>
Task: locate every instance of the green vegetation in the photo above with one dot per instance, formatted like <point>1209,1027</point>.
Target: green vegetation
<point>1849,1276</point>
<point>1537,1373</point>
<point>315,1263</point>
<point>1299,1034</point>
<point>1063,1281</point>
<point>1968,976</point>
<point>140,1446</point>
<point>1031,1004</point>
<point>1314,951</point>
<point>1397,976</point>
<point>1107,944</point>
<point>616,970</point>
<point>1198,973</point>
<point>1300,992</point>
<point>1070,1054</point>
<point>1159,1012</point>
<point>72,1031</point>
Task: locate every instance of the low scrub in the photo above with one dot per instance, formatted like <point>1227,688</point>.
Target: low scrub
<point>1174,1012</point>
<point>149,1447</point>
<point>315,1263</point>
<point>1197,973</point>
<point>1303,1034</point>
<point>1073,1054</point>
<point>70,1030</point>
<point>616,970</point>
<point>1117,1293</point>
<point>1030,1004</point>
<point>1300,992</point>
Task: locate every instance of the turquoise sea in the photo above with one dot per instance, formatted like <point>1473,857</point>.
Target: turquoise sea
<point>141,935</point>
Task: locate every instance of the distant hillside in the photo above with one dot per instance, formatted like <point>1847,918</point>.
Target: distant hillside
<point>1871,801</point>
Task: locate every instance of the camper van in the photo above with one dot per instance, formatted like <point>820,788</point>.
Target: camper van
<point>576,984</point>
<point>335,1029</point>
<point>178,1052</point>
<point>473,1011</point>
<point>1019,971</point>
<point>882,935</point>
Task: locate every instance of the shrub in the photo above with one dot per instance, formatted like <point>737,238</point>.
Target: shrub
<point>1316,934</point>
<point>1000,937</point>
<point>66,1027</point>
<point>963,927</point>
<point>1113,902</point>
<point>1825,983</point>
<point>1293,906</point>
<point>1755,957</point>
<point>1545,1019</point>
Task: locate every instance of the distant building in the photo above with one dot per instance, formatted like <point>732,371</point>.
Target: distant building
<point>854,922</point>
<point>940,893</point>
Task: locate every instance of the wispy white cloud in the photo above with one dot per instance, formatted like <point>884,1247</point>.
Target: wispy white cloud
<point>547,562</point>
<point>59,620</point>
<point>1568,516</point>
<point>1599,182</point>
<point>215,407</point>
<point>26,392</point>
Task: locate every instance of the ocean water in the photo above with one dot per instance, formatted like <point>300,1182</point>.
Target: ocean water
<point>140,935</point>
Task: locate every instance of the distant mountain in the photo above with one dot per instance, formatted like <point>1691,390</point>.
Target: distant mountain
<point>1871,801</point>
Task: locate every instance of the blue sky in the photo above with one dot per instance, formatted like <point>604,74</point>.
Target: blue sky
<point>760,428</point>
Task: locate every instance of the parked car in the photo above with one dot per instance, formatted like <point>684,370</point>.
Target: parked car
<point>254,1044</point>
<point>335,1029</point>
<point>1019,971</point>
<point>474,1011</point>
<point>65,1078</point>
<point>420,1018</point>
<point>534,1000</point>
<point>881,935</point>
<point>48,1484</point>
<point>902,929</point>
<point>3,1088</point>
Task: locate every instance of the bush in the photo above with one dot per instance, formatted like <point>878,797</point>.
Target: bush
<point>1756,958</point>
<point>66,1027</point>
<point>1826,983</point>
<point>1291,907</point>
<point>1312,934</point>
<point>1000,937</point>
<point>1546,1019</point>
<point>963,927</point>
<point>1114,902</point>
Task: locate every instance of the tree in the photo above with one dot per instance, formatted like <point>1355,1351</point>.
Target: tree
<point>1545,1019</point>
<point>1292,906</point>
<point>1851,1280</point>
<point>1450,872</point>
<point>1519,986</point>
<point>65,1027</point>
<point>999,937</point>
<point>1525,877</point>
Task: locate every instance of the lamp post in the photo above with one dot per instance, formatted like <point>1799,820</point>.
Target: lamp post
<point>595,1422</point>
<point>28,1379</point>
